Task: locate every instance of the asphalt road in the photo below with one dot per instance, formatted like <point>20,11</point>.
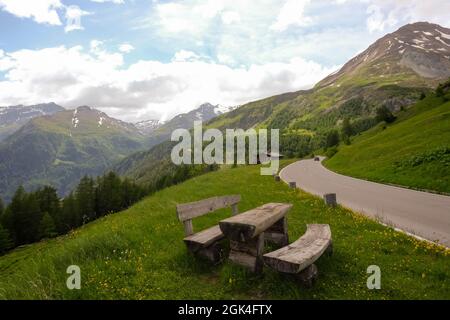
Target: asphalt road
<point>423,214</point>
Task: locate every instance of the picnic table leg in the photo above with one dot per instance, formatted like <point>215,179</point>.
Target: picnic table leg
<point>278,233</point>
<point>248,254</point>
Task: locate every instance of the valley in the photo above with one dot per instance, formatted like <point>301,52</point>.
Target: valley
<point>60,149</point>
<point>383,117</point>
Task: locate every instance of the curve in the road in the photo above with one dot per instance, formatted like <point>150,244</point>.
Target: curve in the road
<point>423,214</point>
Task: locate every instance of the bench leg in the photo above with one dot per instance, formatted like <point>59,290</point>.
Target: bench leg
<point>278,233</point>
<point>213,253</point>
<point>330,250</point>
<point>308,277</point>
<point>248,254</point>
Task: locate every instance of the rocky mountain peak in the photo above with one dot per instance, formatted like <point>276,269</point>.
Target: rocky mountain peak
<point>421,47</point>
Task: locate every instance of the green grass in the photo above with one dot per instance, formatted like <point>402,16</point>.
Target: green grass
<point>384,154</point>
<point>139,253</point>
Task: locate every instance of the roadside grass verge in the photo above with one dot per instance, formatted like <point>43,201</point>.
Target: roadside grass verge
<point>139,253</point>
<point>408,152</point>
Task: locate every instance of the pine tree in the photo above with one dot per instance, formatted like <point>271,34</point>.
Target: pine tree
<point>109,195</point>
<point>71,217</point>
<point>5,240</point>
<point>49,202</point>
<point>13,213</point>
<point>2,207</point>
<point>85,197</point>
<point>23,217</point>
<point>31,219</point>
<point>47,227</point>
<point>332,139</point>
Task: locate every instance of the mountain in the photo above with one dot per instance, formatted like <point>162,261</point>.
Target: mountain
<point>151,165</point>
<point>59,149</point>
<point>417,51</point>
<point>414,151</point>
<point>204,113</point>
<point>395,72</point>
<point>148,126</point>
<point>14,117</point>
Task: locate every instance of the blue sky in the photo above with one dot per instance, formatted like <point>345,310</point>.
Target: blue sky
<point>138,59</point>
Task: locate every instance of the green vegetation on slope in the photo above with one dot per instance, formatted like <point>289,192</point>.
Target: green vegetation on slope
<point>139,253</point>
<point>54,150</point>
<point>33,216</point>
<point>413,152</point>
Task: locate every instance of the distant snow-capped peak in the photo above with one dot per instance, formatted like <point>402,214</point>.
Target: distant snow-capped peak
<point>220,109</point>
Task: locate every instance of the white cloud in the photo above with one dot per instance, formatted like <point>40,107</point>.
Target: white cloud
<point>190,16</point>
<point>184,55</point>
<point>47,12</point>
<point>113,1</point>
<point>126,48</point>
<point>75,76</point>
<point>73,18</point>
<point>41,11</point>
<point>377,21</point>
<point>384,15</point>
<point>292,14</point>
<point>230,17</point>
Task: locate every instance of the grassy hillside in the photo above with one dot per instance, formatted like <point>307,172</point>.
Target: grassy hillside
<point>139,253</point>
<point>414,151</point>
<point>385,75</point>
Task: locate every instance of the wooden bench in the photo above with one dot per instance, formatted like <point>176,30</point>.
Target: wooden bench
<point>298,258</point>
<point>205,243</point>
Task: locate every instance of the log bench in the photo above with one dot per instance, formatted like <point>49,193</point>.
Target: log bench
<point>298,258</point>
<point>205,243</point>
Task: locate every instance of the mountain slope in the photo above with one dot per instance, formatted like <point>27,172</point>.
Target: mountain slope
<point>146,127</point>
<point>140,254</point>
<point>14,117</point>
<point>377,77</point>
<point>59,149</point>
<point>422,47</point>
<point>394,72</point>
<point>204,113</point>
<point>414,151</point>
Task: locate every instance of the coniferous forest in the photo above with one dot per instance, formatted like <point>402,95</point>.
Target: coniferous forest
<point>41,214</point>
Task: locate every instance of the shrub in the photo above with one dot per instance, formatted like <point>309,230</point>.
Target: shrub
<point>331,152</point>
<point>384,114</point>
<point>332,139</point>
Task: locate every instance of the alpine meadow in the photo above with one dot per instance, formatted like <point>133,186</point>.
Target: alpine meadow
<point>244,152</point>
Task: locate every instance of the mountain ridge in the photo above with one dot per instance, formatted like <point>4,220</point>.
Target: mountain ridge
<point>60,149</point>
<point>13,117</point>
<point>306,117</point>
<point>205,112</point>
<point>405,46</point>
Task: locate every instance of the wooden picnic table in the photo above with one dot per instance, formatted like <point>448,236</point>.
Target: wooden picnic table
<point>248,231</point>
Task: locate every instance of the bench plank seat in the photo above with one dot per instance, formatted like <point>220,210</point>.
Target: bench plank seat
<point>205,243</point>
<point>204,238</point>
<point>301,254</point>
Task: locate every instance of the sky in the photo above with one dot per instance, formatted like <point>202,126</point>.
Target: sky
<point>150,59</point>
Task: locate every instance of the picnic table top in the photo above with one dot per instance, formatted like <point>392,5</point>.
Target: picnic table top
<point>248,225</point>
